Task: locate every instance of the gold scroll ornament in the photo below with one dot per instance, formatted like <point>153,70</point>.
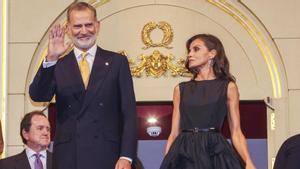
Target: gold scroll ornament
<point>157,65</point>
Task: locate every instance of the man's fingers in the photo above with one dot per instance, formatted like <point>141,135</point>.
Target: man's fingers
<point>51,34</point>
<point>56,29</point>
<point>57,32</point>
<point>61,30</point>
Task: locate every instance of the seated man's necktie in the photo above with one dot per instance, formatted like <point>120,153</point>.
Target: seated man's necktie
<point>38,163</point>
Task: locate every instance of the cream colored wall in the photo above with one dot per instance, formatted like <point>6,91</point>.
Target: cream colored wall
<point>162,88</point>
<point>1,50</point>
<point>281,20</point>
<point>121,24</point>
<point>28,21</point>
<point>3,68</point>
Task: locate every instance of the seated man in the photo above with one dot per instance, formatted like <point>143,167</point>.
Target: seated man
<point>288,156</point>
<point>35,133</point>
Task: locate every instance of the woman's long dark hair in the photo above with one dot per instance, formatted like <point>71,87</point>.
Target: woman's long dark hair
<point>220,61</point>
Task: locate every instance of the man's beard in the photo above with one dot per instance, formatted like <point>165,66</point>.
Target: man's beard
<point>84,44</point>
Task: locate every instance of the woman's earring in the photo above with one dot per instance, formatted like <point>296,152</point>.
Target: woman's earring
<point>211,63</point>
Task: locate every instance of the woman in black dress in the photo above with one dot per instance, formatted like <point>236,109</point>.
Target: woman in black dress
<point>200,106</point>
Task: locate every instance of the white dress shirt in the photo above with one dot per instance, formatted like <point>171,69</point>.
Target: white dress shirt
<point>31,157</point>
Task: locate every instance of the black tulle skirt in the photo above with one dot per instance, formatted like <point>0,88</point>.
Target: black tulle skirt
<point>203,150</point>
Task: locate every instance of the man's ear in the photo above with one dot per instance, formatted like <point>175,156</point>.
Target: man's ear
<point>97,26</point>
<point>25,134</point>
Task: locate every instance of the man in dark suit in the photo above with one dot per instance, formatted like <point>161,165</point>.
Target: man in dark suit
<point>96,114</point>
<point>288,156</point>
<point>35,133</point>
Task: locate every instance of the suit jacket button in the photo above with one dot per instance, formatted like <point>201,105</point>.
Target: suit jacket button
<point>96,137</point>
<point>100,104</point>
<point>69,106</point>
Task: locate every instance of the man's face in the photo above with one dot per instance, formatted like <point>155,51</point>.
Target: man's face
<point>38,136</point>
<point>83,29</point>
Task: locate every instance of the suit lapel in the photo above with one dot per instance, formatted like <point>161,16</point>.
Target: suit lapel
<point>72,73</point>
<point>49,160</point>
<point>100,69</point>
<point>22,161</point>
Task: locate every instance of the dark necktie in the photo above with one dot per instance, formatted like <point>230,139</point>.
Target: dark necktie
<point>38,163</point>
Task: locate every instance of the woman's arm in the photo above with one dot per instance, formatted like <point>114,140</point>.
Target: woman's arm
<point>175,119</point>
<point>237,137</point>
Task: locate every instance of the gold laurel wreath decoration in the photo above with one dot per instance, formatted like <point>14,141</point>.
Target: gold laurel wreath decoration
<point>147,29</point>
<point>167,31</point>
<point>168,34</point>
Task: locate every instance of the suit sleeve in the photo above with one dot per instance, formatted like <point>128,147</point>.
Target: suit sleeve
<point>43,87</point>
<point>281,157</point>
<point>128,108</point>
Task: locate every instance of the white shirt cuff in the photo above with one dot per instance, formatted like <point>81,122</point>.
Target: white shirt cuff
<point>126,158</point>
<point>48,64</point>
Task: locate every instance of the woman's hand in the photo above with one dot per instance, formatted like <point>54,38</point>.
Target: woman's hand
<point>250,165</point>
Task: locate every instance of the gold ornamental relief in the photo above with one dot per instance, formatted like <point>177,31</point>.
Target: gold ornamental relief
<point>157,65</point>
<point>166,40</point>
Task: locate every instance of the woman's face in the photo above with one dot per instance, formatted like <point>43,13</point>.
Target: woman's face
<point>199,55</point>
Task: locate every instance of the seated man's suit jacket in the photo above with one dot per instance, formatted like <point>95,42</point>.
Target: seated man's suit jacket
<point>288,156</point>
<point>20,161</point>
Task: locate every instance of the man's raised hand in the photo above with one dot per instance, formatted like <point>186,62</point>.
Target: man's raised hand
<point>56,46</point>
